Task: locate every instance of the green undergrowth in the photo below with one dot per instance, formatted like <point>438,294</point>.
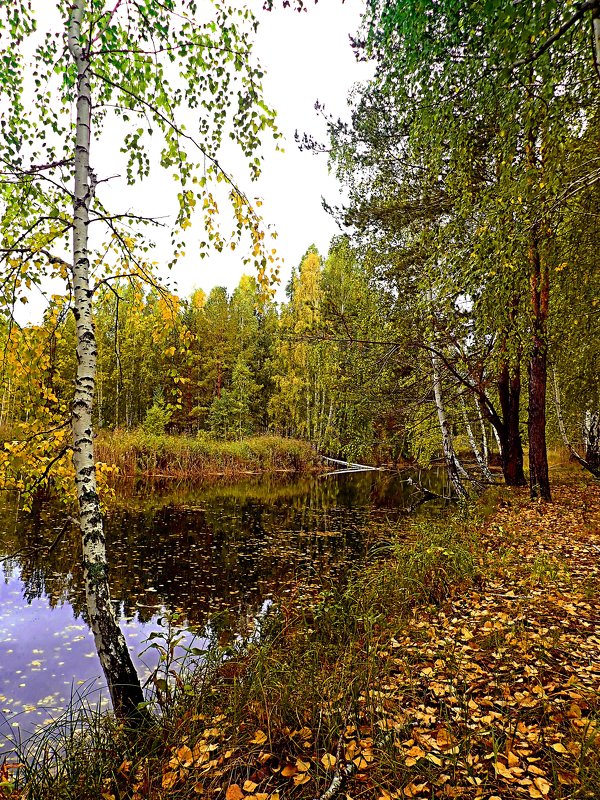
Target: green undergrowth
<point>139,453</point>
<point>272,700</point>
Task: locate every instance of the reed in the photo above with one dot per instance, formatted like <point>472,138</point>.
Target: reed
<point>137,453</point>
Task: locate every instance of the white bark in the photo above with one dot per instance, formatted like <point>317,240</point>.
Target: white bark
<point>110,643</point>
<point>591,438</point>
<point>453,465</point>
<point>590,432</point>
<point>497,438</point>
<point>484,441</point>
<point>596,39</point>
<point>481,462</point>
<point>559,419</point>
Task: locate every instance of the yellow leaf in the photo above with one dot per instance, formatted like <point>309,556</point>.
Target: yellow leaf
<point>413,789</point>
<point>328,761</point>
<point>249,786</point>
<point>184,754</point>
<point>303,766</point>
<point>568,778</point>
<point>260,737</point>
<point>560,748</point>
<point>169,779</point>
<point>542,785</point>
<point>503,771</point>
<point>300,778</point>
<point>352,749</point>
<point>234,792</point>
<point>289,770</point>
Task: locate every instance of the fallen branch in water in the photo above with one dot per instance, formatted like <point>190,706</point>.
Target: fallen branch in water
<point>427,493</point>
<point>351,466</point>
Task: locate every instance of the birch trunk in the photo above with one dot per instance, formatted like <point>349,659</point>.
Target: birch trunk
<point>122,679</point>
<point>596,39</point>
<point>484,441</point>
<point>481,462</point>
<point>497,438</point>
<point>561,424</point>
<point>591,438</point>
<point>453,465</point>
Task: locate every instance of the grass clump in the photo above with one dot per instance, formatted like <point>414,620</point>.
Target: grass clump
<point>143,453</point>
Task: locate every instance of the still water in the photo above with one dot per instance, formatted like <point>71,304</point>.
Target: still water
<point>213,553</point>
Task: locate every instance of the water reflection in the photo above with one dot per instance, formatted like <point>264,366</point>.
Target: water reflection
<point>196,550</point>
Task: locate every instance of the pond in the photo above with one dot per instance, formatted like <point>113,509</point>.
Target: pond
<point>215,554</point>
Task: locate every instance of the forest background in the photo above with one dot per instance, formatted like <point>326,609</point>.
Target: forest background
<point>467,275</point>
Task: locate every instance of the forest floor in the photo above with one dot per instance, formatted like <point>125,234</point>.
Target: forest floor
<point>463,662</point>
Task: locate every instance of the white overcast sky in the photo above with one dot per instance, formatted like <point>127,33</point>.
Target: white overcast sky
<point>306,57</point>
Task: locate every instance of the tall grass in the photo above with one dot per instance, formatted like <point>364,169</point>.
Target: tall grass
<point>138,453</point>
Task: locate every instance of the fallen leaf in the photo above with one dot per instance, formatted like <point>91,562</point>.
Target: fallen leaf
<point>184,754</point>
<point>169,779</point>
<point>300,778</point>
<point>328,761</point>
<point>233,792</point>
<point>542,785</point>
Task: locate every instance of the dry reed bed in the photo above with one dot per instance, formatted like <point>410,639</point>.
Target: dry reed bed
<point>136,453</point>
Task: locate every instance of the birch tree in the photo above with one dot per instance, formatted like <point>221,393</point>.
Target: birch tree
<point>133,69</point>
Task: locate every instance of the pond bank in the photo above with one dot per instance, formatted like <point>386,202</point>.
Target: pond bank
<point>136,453</point>
<point>462,662</point>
